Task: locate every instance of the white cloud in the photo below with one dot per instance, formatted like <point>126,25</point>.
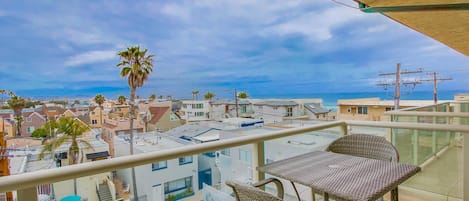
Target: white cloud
<point>91,57</point>
<point>176,11</point>
<point>318,25</point>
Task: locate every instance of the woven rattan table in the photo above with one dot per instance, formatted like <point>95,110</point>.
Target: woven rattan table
<point>342,177</point>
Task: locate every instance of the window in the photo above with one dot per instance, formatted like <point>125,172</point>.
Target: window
<point>226,152</point>
<point>199,114</point>
<point>29,119</point>
<point>389,109</point>
<point>185,160</point>
<point>30,129</point>
<point>159,165</point>
<point>94,121</point>
<point>173,117</point>
<point>93,113</point>
<point>362,110</point>
<point>289,111</point>
<point>243,109</point>
<point>184,105</point>
<point>209,154</point>
<point>244,155</point>
<point>178,188</point>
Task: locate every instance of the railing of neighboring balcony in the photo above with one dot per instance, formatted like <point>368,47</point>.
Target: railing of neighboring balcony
<point>262,146</point>
<point>440,153</point>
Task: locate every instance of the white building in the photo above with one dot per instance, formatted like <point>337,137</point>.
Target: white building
<point>278,110</point>
<point>162,180</point>
<point>272,111</point>
<point>222,109</point>
<point>236,163</point>
<point>195,110</point>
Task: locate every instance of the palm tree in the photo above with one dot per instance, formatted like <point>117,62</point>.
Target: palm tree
<point>121,99</point>
<point>243,95</point>
<point>160,97</point>
<point>99,99</point>
<point>209,95</point>
<point>11,93</point>
<point>137,66</point>
<point>195,95</point>
<point>72,130</point>
<point>3,92</point>
<point>17,104</point>
<point>152,97</point>
<point>169,97</point>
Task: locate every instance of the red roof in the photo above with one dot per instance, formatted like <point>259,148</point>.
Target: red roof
<point>157,113</point>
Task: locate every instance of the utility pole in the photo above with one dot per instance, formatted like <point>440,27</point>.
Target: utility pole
<point>236,102</point>
<point>398,81</point>
<point>435,80</point>
<point>4,161</point>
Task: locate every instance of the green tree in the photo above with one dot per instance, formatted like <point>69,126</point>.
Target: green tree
<point>169,97</point>
<point>160,97</point>
<point>195,95</point>
<point>17,104</point>
<point>137,66</point>
<point>121,99</point>
<point>209,95</point>
<point>77,102</point>
<point>39,133</point>
<point>99,99</point>
<point>243,95</point>
<point>152,97</point>
<point>72,130</point>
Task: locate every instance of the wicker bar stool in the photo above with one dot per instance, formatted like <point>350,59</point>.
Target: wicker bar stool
<point>245,192</point>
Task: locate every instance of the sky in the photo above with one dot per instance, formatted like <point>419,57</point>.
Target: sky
<point>265,47</point>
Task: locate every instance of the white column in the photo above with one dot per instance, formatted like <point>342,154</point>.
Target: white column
<point>466,167</point>
<point>258,159</point>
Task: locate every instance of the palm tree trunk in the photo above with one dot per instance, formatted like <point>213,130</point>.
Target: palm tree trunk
<point>73,160</point>
<point>132,113</point>
<point>101,116</point>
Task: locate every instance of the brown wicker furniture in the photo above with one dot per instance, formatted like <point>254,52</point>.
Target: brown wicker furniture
<point>245,192</point>
<point>368,146</point>
<point>343,177</point>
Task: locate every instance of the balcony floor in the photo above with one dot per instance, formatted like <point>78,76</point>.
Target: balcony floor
<point>441,176</point>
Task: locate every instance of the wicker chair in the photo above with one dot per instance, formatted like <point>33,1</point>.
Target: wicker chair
<point>246,192</point>
<point>366,146</point>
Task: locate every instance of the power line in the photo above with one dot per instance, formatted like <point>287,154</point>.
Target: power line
<point>398,81</point>
<point>435,81</point>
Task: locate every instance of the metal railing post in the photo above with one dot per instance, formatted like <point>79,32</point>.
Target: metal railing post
<point>415,147</point>
<point>465,168</point>
<point>27,194</point>
<point>344,129</point>
<point>258,160</point>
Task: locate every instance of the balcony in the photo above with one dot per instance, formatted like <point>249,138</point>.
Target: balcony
<point>431,137</point>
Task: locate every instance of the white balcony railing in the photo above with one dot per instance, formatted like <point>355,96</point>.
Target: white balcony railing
<point>25,184</point>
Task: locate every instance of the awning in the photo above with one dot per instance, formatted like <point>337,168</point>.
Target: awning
<point>96,155</point>
<point>443,20</point>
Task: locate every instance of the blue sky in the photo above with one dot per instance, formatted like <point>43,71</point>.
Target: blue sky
<point>265,47</point>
